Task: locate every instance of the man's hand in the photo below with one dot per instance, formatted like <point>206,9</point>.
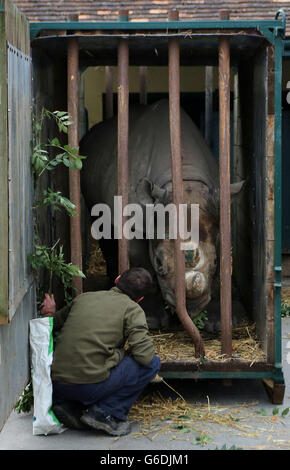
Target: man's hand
<point>48,306</point>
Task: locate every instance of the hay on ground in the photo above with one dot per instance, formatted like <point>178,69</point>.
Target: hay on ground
<point>159,415</point>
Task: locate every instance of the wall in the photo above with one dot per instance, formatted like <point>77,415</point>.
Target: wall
<point>17,306</point>
<point>192,79</point>
<point>14,355</point>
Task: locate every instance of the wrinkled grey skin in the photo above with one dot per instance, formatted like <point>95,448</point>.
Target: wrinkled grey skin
<point>151,183</point>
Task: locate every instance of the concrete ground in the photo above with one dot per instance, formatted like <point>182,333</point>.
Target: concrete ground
<point>248,422</point>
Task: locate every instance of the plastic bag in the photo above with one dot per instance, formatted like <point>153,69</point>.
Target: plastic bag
<point>41,343</point>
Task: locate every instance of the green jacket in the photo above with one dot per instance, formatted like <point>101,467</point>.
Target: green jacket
<point>94,329</point>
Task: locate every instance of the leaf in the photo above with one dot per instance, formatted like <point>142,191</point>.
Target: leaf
<point>60,157</point>
<point>59,113</point>
<point>25,402</point>
<point>262,412</point>
<point>78,164</point>
<point>184,430</point>
<point>202,440</point>
<point>285,412</point>
<point>55,141</point>
<point>276,410</point>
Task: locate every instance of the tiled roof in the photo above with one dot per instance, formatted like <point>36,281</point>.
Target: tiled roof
<point>142,10</point>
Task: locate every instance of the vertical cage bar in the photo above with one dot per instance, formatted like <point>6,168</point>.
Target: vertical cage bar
<point>123,141</point>
<point>225,215</point>
<point>73,140</point>
<point>109,105</point>
<point>177,185</point>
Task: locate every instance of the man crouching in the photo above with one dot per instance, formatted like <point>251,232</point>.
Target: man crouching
<point>95,383</point>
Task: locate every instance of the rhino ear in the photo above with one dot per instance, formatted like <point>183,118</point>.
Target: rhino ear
<point>237,187</point>
<point>148,192</point>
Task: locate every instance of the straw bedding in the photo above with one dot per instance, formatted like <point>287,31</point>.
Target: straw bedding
<point>179,347</point>
<point>97,264</point>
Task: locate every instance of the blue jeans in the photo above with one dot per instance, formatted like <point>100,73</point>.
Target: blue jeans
<point>115,395</point>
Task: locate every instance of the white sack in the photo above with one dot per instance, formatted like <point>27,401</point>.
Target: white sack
<point>41,343</point>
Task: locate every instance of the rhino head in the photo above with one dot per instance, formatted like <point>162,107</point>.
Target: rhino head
<point>201,259</point>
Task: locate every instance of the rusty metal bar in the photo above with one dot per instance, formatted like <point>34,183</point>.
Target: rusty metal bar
<point>123,141</point>
<point>143,84</point>
<point>109,105</point>
<point>225,202</point>
<point>177,185</point>
<point>73,140</point>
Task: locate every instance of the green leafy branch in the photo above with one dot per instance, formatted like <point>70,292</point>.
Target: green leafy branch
<point>60,117</point>
<point>53,260</point>
<point>40,160</point>
<point>25,401</point>
<point>57,201</point>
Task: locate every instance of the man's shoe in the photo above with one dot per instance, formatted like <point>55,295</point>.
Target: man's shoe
<point>69,413</point>
<point>98,419</point>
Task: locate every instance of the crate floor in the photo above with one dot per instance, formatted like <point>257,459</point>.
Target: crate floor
<point>178,346</point>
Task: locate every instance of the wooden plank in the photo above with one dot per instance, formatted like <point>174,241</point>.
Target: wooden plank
<point>270,260</point>
<point>259,193</point>
<point>16,179</point>
<point>16,27</point>
<point>226,365</point>
<point>275,391</point>
<point>270,323</point>
<point>20,186</point>
<point>270,133</point>
<point>271,80</point>
<point>3,177</point>
<point>270,210</point>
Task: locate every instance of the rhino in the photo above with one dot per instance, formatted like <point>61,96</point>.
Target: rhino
<point>150,182</point>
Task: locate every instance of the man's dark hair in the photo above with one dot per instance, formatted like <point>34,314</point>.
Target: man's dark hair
<point>135,282</point>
